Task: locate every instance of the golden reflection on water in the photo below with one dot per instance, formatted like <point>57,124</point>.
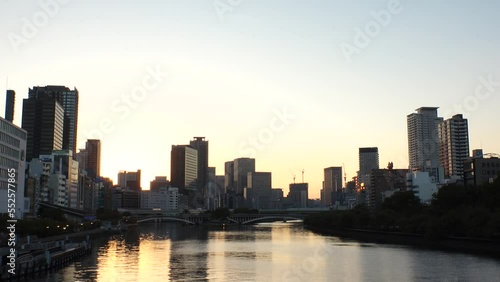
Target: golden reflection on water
<point>265,252</point>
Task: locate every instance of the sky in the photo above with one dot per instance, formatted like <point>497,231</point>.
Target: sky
<point>298,85</point>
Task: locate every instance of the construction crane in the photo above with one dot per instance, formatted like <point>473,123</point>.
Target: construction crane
<point>345,175</point>
<point>293,174</point>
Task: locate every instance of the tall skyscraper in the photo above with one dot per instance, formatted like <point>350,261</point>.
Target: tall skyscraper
<point>43,119</point>
<point>184,167</point>
<point>453,145</point>
<point>10,101</point>
<point>201,145</point>
<point>423,139</point>
<point>332,186</point>
<point>93,161</point>
<point>368,160</point>
<point>68,99</point>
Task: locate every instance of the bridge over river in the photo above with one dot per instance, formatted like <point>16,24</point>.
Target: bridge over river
<point>234,218</point>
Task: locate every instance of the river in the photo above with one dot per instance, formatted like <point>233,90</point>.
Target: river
<point>264,252</point>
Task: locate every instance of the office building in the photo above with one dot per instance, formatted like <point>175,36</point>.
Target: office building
<point>332,187</point>
<point>12,163</point>
<point>242,167</point>
<point>130,179</point>
<point>68,99</point>
<point>368,160</point>
<point>201,146</point>
<point>299,194</point>
<point>159,182</point>
<point>423,139</point>
<point>93,158</point>
<point>184,168</point>
<point>43,120</point>
<point>453,146</point>
<point>258,190</point>
<point>63,178</point>
<point>162,199</point>
<point>481,168</point>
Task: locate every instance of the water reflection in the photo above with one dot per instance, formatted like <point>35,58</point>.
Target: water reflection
<point>265,252</point>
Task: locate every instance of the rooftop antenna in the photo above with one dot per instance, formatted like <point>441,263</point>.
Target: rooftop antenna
<point>345,175</point>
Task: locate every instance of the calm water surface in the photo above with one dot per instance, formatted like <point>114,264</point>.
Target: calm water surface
<point>264,252</point>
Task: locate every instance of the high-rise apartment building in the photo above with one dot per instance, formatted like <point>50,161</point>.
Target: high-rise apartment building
<point>43,120</point>
<point>423,139</point>
<point>453,145</point>
<point>68,99</point>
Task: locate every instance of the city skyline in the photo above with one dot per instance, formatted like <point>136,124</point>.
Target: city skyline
<point>251,74</point>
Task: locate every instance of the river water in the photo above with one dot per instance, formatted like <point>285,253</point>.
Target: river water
<point>264,252</point>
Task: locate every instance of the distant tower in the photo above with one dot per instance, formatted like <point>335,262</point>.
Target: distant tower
<point>9,105</point>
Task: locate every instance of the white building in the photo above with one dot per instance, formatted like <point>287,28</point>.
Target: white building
<point>62,163</point>
<point>12,158</point>
<point>423,185</point>
<point>166,199</point>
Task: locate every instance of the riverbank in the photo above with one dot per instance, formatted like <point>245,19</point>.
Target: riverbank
<point>485,247</point>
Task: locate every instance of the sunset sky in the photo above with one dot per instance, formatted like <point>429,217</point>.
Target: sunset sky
<point>231,69</point>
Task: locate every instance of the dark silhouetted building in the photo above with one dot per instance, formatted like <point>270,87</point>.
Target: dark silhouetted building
<point>68,99</point>
<point>93,160</point>
<point>479,170</point>
<point>184,167</point>
<point>299,194</point>
<point>130,179</point>
<point>10,101</point>
<point>159,182</point>
<point>368,160</point>
<point>43,119</point>
<point>201,146</point>
<point>332,187</point>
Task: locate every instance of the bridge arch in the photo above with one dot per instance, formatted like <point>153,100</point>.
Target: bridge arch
<point>165,219</point>
<point>266,218</point>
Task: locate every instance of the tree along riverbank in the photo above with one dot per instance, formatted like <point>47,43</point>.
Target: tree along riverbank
<point>459,218</point>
